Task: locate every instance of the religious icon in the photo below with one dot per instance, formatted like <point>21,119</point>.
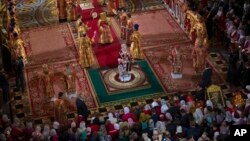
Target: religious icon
<point>214,93</point>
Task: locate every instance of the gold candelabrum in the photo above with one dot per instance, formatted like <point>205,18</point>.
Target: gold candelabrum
<point>238,99</point>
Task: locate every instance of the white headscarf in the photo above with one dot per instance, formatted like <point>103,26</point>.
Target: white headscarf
<point>116,126</point>
<point>56,125</point>
<point>184,105</point>
<point>73,124</point>
<point>164,108</point>
<point>126,110</point>
<point>29,124</point>
<point>248,87</point>
<point>209,103</point>
<point>147,107</point>
<point>46,131</point>
<point>5,118</point>
<point>169,116</point>
<point>229,104</point>
<point>130,122</point>
<point>198,115</point>
<point>16,122</point>
<point>38,128</point>
<point>52,132</point>
<point>154,104</point>
<point>145,137</point>
<point>248,96</point>
<point>111,118</point>
<point>229,116</point>
<point>110,115</point>
<point>183,102</point>
<point>82,125</point>
<point>151,124</point>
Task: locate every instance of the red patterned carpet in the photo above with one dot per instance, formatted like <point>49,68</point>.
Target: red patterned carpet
<point>42,43</point>
<point>41,107</point>
<point>158,27</point>
<point>159,33</point>
<point>53,45</point>
<point>158,58</point>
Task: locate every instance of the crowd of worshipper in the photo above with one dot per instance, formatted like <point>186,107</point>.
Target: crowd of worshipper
<point>180,117</point>
<point>229,21</point>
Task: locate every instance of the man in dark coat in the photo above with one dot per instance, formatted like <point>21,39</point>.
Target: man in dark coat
<point>4,85</point>
<point>82,108</point>
<point>232,78</point>
<point>207,77</point>
<point>19,70</point>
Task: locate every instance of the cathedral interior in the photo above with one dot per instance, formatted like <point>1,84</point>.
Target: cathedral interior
<point>118,54</point>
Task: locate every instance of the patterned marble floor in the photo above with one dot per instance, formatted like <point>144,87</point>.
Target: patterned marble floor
<point>33,13</point>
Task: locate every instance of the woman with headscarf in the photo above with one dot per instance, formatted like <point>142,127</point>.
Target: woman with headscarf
<point>37,135</point>
<point>198,116</point>
<point>124,131</point>
<point>128,114</point>
<point>46,131</point>
<point>94,125</point>
<point>156,107</point>
<point>72,132</point>
<point>209,115</point>
<point>17,131</point>
<point>229,117</point>
<point>209,103</point>
<point>110,126</point>
<point>53,135</point>
<point>184,105</point>
<point>229,106</point>
<point>164,106</point>
<point>131,122</point>
<point>147,109</point>
<point>28,130</point>
<point>81,133</point>
<point>224,128</point>
<point>168,117</point>
<point>111,118</point>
